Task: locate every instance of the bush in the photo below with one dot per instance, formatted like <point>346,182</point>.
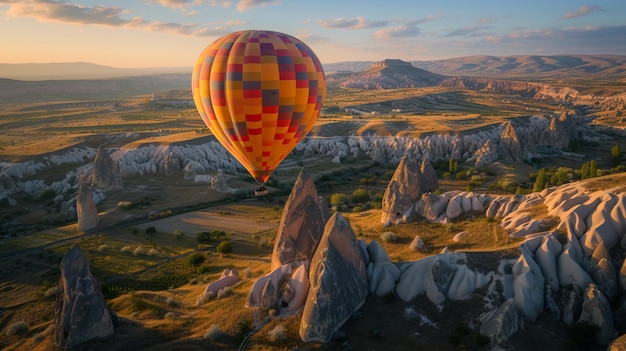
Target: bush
<point>357,209</point>
<point>277,334</point>
<point>17,328</point>
<point>204,269</point>
<point>208,237</point>
<point>51,292</point>
<point>151,230</point>
<point>360,195</point>
<point>213,333</point>
<point>389,237</point>
<point>196,259</point>
<point>178,234</point>
<point>173,302</point>
<point>338,199</point>
<point>225,247</point>
<point>47,194</point>
<point>227,291</point>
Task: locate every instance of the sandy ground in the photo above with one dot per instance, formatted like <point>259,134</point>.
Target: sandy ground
<point>201,221</point>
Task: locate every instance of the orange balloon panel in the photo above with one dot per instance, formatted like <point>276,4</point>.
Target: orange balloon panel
<point>260,93</point>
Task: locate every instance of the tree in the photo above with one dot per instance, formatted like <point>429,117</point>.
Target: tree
<point>225,247</point>
<point>360,196</point>
<point>151,230</point>
<point>196,259</point>
<point>338,199</point>
<point>593,169</point>
<point>584,171</point>
<point>616,155</point>
<point>541,181</point>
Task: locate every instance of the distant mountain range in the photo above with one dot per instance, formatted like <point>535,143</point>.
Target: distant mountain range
<point>518,66</point>
<point>77,70</point>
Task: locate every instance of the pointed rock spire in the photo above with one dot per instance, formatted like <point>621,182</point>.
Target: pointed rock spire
<point>106,173</point>
<point>301,225</point>
<point>338,282</point>
<point>403,191</point>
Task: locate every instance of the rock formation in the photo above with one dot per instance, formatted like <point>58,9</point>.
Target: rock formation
<point>429,180</point>
<point>404,189</point>
<point>283,290</point>
<point>510,147</point>
<point>106,173</point>
<point>486,155</point>
<point>301,225</point>
<point>219,183</point>
<point>387,74</point>
<point>171,164</point>
<point>338,279</point>
<point>81,314</point>
<point>86,208</point>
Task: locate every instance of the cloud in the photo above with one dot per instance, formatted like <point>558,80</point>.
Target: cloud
<point>112,16</point>
<point>245,5</point>
<point>397,32</point>
<point>351,23</point>
<point>175,4</point>
<point>582,11</point>
<point>68,13</point>
<point>429,18</point>
<point>466,31</point>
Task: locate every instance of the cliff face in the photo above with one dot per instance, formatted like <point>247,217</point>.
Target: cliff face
<point>526,89</point>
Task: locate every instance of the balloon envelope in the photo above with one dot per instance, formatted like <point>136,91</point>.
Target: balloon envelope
<point>259,93</point>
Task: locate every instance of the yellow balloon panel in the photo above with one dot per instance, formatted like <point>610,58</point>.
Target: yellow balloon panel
<point>260,93</point>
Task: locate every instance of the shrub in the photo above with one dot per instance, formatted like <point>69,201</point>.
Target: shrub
<point>170,315</point>
<point>17,328</point>
<point>178,234</point>
<point>357,209</point>
<point>360,195</point>
<point>247,273</point>
<point>172,302</point>
<point>151,230</point>
<point>207,237</point>
<point>227,291</point>
<point>277,334</point>
<point>389,237</point>
<point>338,199</point>
<point>224,248</point>
<point>243,328</point>
<point>204,269</point>
<point>213,333</point>
<point>409,313</point>
<point>51,292</point>
<point>196,259</point>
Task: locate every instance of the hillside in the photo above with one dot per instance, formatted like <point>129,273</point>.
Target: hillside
<point>76,70</point>
<point>518,66</point>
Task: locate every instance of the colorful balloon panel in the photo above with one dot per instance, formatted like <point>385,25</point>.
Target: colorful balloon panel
<point>259,93</point>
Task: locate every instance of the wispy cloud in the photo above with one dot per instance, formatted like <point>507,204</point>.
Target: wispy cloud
<point>175,4</point>
<point>352,23</point>
<point>112,16</point>
<point>467,31</point>
<point>245,5</point>
<point>582,11</point>
<point>429,18</point>
<point>397,32</point>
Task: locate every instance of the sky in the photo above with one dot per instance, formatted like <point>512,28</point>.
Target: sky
<point>172,33</point>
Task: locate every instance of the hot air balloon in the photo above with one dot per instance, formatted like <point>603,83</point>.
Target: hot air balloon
<point>259,92</point>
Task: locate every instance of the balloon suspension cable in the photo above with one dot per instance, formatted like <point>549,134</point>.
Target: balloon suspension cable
<point>261,189</point>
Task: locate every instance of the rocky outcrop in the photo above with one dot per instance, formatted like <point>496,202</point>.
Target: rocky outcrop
<point>301,225</point>
<point>171,164</point>
<point>510,147</point>
<point>501,323</point>
<point>486,155</point>
<point>86,208</point>
<point>526,89</point>
<point>283,290</point>
<point>596,310</point>
<point>338,279</point>
<point>106,173</point>
<point>559,133</point>
<point>81,314</point>
<point>429,181</point>
<point>404,189</point>
<point>387,74</point>
<point>219,183</point>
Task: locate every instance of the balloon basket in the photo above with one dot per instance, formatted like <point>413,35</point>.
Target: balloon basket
<point>260,191</point>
